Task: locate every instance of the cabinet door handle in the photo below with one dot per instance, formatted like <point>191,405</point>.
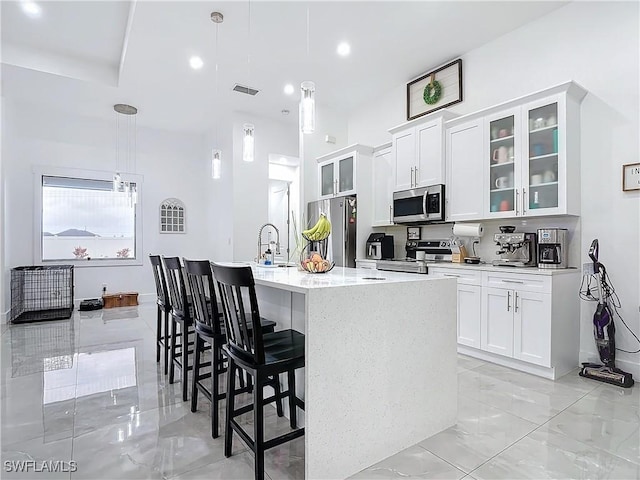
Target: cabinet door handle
<point>512,281</point>
<point>415,174</point>
<point>390,214</point>
<point>451,275</point>
<point>411,176</point>
<point>516,303</point>
<point>508,300</point>
<point>524,201</point>
<point>517,197</point>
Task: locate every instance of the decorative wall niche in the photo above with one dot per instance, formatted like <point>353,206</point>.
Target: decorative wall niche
<point>172,216</point>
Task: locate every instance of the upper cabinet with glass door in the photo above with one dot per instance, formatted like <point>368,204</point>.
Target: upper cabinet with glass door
<point>533,159</point>
<point>337,171</point>
<point>545,172</point>
<point>504,143</point>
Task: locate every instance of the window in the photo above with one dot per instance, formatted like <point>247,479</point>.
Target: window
<point>172,219</point>
<point>84,218</point>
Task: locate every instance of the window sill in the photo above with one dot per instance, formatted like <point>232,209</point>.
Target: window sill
<point>95,262</point>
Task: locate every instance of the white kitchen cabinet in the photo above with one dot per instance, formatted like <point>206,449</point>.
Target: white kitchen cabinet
<point>469,303</point>
<point>418,151</point>
<point>338,171</point>
<point>382,186</point>
<point>464,159</point>
<point>337,177</point>
<point>497,322</point>
<point>527,155</point>
<point>532,327</point>
<point>516,322</point>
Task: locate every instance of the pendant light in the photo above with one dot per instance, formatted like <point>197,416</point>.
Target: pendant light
<point>307,107</point>
<point>216,164</point>
<point>307,98</point>
<point>216,154</point>
<point>126,135</point>
<point>248,130</point>
<point>248,143</point>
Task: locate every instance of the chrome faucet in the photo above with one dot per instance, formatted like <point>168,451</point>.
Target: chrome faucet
<point>260,244</point>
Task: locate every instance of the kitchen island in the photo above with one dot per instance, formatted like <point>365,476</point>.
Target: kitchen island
<point>380,370</point>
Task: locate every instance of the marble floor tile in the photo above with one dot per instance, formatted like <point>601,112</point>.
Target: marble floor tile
<point>481,432</point>
<point>25,460</point>
<point>468,363</point>
<point>597,421</point>
<point>237,467</point>
<point>414,462</point>
<point>537,406</point>
<point>159,443</point>
<point>545,454</point>
<point>570,381</point>
<point>89,390</point>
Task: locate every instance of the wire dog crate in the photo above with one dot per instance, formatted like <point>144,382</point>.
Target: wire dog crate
<point>41,293</point>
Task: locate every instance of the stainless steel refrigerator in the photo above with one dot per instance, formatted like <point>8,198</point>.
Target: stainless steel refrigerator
<point>341,212</point>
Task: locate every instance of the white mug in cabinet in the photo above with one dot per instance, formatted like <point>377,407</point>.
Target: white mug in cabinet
<point>536,179</point>
<point>502,182</point>
<point>500,154</point>
<point>548,176</point>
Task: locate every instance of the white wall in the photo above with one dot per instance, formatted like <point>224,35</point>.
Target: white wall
<point>250,191</point>
<point>313,145</point>
<point>172,165</point>
<point>597,45</point>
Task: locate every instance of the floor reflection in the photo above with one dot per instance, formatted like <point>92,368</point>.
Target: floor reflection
<point>41,347</point>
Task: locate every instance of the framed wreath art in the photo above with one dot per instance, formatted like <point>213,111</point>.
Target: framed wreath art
<point>437,89</point>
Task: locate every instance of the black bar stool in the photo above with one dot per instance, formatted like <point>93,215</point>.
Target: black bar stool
<point>164,310</point>
<point>181,316</point>
<point>209,330</point>
<point>259,355</point>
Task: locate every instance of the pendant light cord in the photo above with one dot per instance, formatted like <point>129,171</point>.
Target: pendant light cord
<point>217,100</point>
<point>249,47</point>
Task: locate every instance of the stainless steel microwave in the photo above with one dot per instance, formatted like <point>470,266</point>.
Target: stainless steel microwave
<point>419,205</point>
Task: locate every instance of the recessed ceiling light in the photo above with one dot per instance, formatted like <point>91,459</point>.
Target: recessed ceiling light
<point>31,8</point>
<point>196,62</point>
<point>284,111</point>
<point>288,89</point>
<point>344,49</point>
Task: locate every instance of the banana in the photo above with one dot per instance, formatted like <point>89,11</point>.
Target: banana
<point>320,230</point>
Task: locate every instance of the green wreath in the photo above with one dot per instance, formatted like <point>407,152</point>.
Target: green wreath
<point>432,92</point>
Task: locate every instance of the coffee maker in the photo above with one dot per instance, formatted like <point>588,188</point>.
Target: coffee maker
<point>380,246</point>
<point>552,248</point>
<point>516,249</point>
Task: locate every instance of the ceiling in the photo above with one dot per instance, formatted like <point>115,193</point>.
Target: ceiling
<point>86,56</point>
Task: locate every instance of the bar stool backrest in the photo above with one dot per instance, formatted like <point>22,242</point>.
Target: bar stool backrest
<point>201,284</point>
<point>244,334</point>
<point>161,282</point>
<point>177,287</point>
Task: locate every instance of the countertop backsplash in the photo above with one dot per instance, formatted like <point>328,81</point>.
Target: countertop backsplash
<point>486,249</point>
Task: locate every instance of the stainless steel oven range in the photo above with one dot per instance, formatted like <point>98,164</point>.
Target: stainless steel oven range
<point>418,254</point>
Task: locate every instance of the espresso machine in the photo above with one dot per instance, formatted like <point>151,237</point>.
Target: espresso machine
<point>380,246</point>
<point>517,249</point>
<point>552,248</point>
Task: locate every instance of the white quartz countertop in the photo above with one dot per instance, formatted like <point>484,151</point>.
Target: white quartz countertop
<point>297,281</point>
<point>493,268</point>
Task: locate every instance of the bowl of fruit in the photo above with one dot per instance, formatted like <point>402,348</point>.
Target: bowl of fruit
<point>314,263</point>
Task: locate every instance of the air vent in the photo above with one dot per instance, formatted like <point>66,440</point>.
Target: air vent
<point>243,89</point>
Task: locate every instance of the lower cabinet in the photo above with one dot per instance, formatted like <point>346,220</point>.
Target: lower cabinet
<point>524,321</point>
<point>517,323</point>
<point>469,303</point>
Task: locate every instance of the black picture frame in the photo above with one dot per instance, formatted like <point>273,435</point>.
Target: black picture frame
<point>416,84</point>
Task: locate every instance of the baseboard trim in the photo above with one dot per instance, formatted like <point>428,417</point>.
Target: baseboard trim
<point>544,372</point>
